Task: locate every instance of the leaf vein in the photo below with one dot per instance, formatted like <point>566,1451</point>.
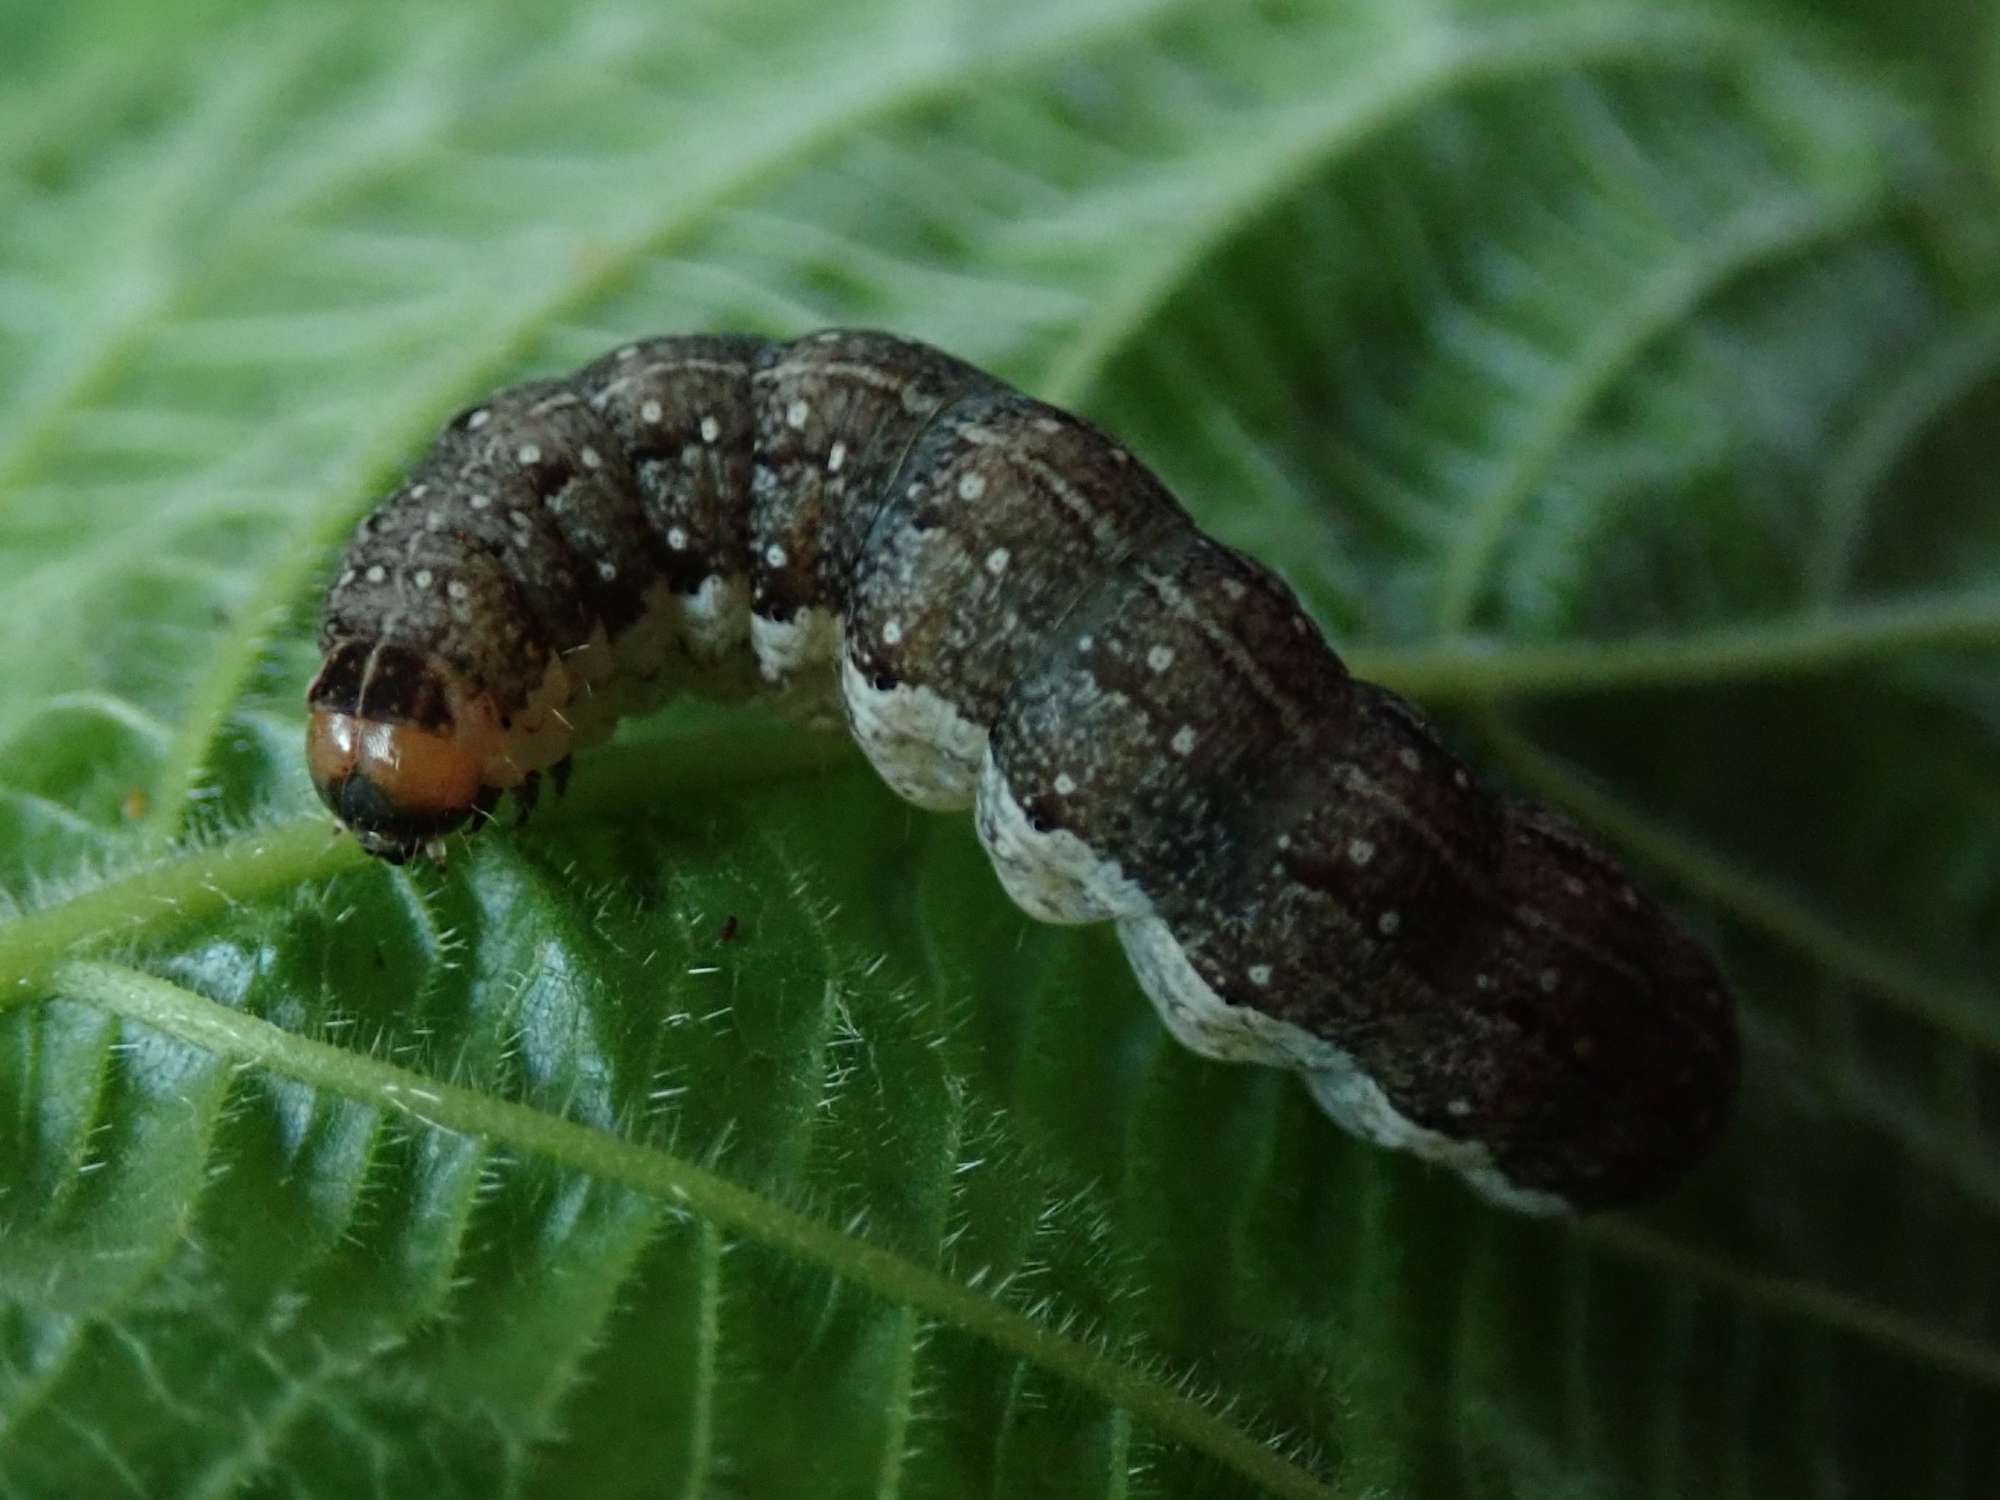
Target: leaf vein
<point>650,1170</point>
<point>1436,61</point>
<point>1963,1011</point>
<point>1761,234</point>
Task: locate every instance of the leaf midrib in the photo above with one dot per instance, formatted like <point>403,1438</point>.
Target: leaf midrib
<point>244,1039</point>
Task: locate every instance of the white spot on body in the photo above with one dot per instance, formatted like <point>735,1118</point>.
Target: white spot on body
<point>1200,1018</point>
<point>774,555</point>
<point>710,429</point>
<point>479,502</point>
<point>1389,923</point>
<point>677,539</point>
<point>592,459</point>
<point>971,486</point>
<point>528,453</point>
<point>1260,975</point>
<point>423,578</point>
<point>1411,760</point>
<point>892,632</point>
<point>1160,658</point>
<point>996,561</point>
<point>607,570</point>
<point>651,411</point>
<point>835,457</point>
<point>1361,851</point>
<point>377,573</point>
<point>1052,874</point>
<point>1183,740</point>
<point>796,414</point>
<point>478,419</point>
<point>456,590</point>
<point>1065,784</point>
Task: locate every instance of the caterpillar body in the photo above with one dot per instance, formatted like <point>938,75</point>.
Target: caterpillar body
<point>1009,612</point>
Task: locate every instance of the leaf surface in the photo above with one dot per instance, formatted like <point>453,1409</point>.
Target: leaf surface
<point>1617,379</point>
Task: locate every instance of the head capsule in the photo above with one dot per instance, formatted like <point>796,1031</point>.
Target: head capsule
<point>397,746</point>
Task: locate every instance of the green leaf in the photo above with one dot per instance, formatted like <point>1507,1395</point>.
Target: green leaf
<point>1617,378</point>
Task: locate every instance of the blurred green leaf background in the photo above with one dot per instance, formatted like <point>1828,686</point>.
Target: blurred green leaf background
<point>1617,377</point>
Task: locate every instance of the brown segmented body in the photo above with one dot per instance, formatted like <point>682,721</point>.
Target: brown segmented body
<point>1010,612</point>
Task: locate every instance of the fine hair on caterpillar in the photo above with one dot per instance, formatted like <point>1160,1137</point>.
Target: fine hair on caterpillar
<point>1008,612</point>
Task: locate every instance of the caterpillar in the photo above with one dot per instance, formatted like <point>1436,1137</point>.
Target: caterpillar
<point>1010,612</point>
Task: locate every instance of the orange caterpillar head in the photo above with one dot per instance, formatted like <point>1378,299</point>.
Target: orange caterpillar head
<point>397,747</point>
